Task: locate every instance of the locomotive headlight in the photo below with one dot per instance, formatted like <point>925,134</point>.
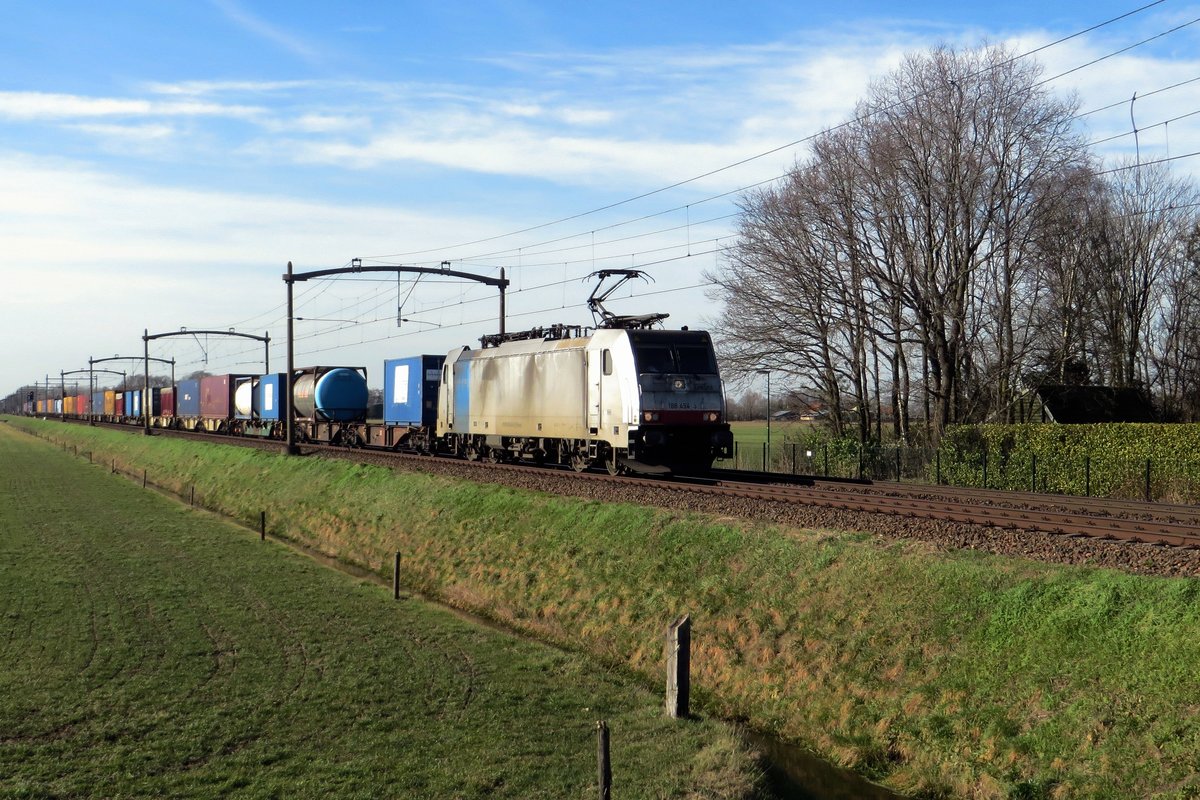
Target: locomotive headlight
<point>650,416</point>
<point>712,416</point>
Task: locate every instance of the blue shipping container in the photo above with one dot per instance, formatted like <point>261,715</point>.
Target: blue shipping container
<point>410,387</point>
<point>187,399</point>
<point>270,398</point>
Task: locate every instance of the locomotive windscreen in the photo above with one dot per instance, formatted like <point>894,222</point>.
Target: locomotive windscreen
<point>662,352</point>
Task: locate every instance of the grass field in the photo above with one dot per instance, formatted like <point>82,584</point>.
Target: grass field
<point>944,674</point>
<point>149,650</point>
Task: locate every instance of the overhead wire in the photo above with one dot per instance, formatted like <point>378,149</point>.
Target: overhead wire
<point>523,251</point>
<point>794,143</point>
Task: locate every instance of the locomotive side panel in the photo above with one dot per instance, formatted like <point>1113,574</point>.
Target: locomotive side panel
<point>538,394</point>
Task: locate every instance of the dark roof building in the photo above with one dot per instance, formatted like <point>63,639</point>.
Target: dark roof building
<point>1079,405</point>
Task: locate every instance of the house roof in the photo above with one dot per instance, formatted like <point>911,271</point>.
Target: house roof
<point>1090,404</point>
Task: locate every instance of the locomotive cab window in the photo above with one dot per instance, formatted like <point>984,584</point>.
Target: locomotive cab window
<point>675,357</point>
<point>606,362</point>
<point>655,359</point>
<point>695,359</point>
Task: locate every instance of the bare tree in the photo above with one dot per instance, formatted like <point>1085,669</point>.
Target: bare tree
<point>910,233</point>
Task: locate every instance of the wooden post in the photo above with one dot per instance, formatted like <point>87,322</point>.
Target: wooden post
<point>1087,476</point>
<point>262,526</point>
<point>396,578</point>
<point>679,662</point>
<point>1147,480</point>
<point>114,466</point>
<point>193,494</point>
<point>143,479</point>
<point>604,767</point>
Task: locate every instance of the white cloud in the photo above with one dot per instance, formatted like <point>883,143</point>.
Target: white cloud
<point>265,30</point>
<point>32,106</point>
<point>128,133</point>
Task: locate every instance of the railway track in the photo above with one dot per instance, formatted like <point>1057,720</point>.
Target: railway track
<point>1058,515</point>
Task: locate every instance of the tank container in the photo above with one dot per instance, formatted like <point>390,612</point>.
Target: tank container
<point>337,394</point>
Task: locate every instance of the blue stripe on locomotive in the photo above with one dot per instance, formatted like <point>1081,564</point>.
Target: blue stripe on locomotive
<point>462,396</point>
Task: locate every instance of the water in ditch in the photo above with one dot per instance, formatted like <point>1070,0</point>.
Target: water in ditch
<point>794,774</point>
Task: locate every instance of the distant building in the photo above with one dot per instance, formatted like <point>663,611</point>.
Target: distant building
<point>1078,405</point>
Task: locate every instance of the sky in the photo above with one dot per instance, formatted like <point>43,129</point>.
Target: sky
<point>161,163</point>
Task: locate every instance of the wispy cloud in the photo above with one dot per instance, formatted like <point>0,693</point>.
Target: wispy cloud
<point>50,106</point>
<point>264,30</point>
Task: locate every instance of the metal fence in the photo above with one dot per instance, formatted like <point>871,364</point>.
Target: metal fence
<point>1147,479</point>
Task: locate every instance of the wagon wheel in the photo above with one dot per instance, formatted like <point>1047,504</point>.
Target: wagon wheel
<point>579,461</point>
<point>613,466</point>
<point>495,455</point>
<point>471,453</point>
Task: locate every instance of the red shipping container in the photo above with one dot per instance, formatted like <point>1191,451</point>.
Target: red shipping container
<point>119,404</point>
<point>216,396</point>
<point>167,401</point>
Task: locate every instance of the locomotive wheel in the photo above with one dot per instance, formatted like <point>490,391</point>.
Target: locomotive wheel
<point>579,462</point>
<point>471,453</point>
<point>613,466</point>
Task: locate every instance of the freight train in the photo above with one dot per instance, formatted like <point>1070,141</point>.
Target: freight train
<point>625,399</point>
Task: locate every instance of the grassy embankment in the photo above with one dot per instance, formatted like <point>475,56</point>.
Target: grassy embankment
<point>944,674</point>
<point>147,650</point>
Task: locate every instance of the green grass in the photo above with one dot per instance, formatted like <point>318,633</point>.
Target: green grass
<point>943,674</point>
<point>149,650</point>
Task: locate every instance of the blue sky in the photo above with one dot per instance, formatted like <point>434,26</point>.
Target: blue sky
<point>160,163</point>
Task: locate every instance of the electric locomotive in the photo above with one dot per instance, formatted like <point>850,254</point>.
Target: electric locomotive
<point>628,399</point>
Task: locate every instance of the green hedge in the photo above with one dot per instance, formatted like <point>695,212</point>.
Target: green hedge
<point>1108,460</point>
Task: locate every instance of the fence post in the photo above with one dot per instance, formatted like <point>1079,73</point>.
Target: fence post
<point>764,456</point>
<point>736,461</point>
<point>193,500</point>
<point>898,476</point>
<point>679,658</point>
<point>603,765</point>
<point>793,458</point>
<point>1147,480</point>
<point>938,458</point>
<point>860,460</point>
<point>985,466</point>
<point>396,578</point>
<point>143,479</point>
<point>262,526</point>
<point>825,448</point>
<point>1087,476</point>
<point>1033,472</point>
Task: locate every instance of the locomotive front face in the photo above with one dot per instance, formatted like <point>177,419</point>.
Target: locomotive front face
<point>681,415</point>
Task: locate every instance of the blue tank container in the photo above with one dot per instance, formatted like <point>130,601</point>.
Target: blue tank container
<point>187,399</point>
<point>336,394</point>
<point>410,389</point>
